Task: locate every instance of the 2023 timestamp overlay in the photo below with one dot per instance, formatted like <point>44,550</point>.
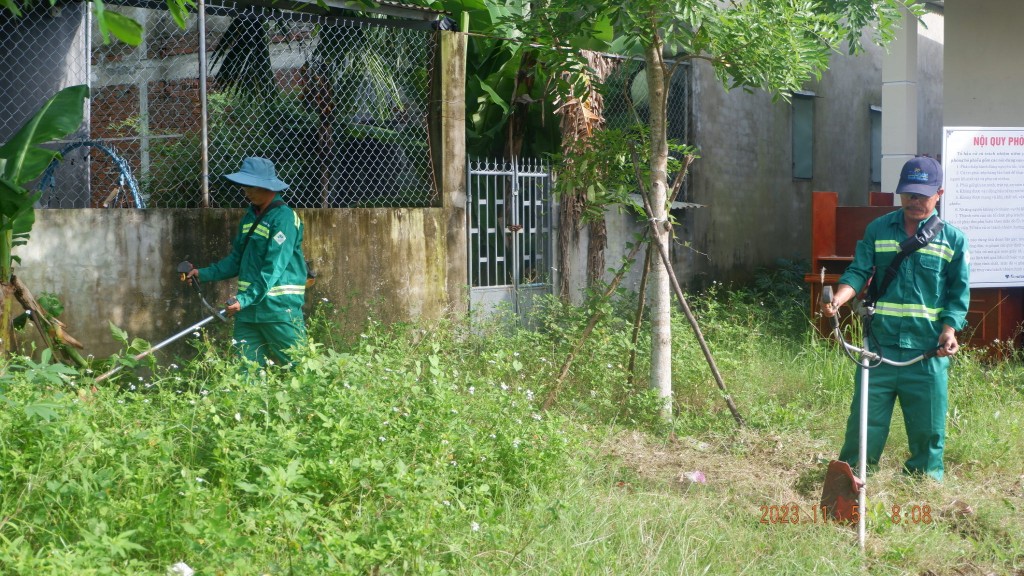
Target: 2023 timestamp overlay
<point>794,513</point>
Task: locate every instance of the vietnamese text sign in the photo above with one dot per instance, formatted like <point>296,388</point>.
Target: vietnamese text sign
<point>984,182</point>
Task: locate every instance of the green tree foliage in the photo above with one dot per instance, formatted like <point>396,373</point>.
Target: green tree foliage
<point>769,45</point>
<point>110,23</point>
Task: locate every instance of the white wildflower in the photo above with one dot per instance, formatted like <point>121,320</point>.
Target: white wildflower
<point>180,569</point>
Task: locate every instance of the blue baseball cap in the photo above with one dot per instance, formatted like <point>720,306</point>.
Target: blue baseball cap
<point>920,175</point>
<point>257,172</point>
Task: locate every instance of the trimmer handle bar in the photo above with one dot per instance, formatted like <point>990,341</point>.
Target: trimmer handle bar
<point>871,357</point>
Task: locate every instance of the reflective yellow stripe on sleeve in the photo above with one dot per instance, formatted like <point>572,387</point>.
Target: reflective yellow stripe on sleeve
<point>887,246</point>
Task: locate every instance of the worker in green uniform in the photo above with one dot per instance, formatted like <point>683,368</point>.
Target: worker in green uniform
<point>267,258</point>
<point>922,308</point>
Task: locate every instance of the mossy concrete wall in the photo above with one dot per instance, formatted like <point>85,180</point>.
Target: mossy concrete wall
<point>120,266</point>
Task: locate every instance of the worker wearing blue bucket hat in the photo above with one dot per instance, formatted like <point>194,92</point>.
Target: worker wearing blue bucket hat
<point>266,256</point>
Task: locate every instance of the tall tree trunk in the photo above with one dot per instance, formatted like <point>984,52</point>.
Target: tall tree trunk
<point>568,236</point>
<point>6,319</point>
<point>581,118</point>
<point>518,121</point>
<point>661,294</point>
<point>597,242</point>
<point>318,92</point>
<point>6,293</point>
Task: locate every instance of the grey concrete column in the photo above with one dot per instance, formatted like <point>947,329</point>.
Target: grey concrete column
<point>899,102</point>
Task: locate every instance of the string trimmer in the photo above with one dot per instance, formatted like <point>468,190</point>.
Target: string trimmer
<point>183,269</point>
<point>841,487</point>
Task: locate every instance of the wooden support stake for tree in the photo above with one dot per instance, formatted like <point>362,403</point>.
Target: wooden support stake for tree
<point>638,319</point>
<point>663,250</point>
<point>591,324</point>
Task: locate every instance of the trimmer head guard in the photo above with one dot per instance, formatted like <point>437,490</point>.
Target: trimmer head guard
<point>840,493</point>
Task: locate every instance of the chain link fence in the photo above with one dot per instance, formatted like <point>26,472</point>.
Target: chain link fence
<point>626,99</point>
<point>340,104</point>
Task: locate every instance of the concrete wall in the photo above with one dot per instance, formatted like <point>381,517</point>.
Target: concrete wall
<point>120,266</point>
<point>756,212</point>
<point>621,230</point>
<point>985,78</point>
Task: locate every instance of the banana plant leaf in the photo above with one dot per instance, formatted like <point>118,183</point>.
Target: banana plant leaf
<point>23,160</point>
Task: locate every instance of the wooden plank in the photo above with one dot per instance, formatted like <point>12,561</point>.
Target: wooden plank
<point>823,226</point>
<point>850,224</point>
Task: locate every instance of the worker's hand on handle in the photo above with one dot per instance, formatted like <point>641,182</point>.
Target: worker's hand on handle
<point>187,271</point>
<point>948,344</point>
<point>842,296</point>
<point>233,306</point>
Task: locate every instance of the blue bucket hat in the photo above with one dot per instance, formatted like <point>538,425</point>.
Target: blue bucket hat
<point>920,175</point>
<point>257,172</point>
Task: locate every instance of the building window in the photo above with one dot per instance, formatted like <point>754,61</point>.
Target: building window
<point>803,135</point>
<point>876,144</point>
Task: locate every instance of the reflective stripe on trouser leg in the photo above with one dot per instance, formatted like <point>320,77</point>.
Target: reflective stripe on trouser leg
<point>923,395</point>
<point>882,397</point>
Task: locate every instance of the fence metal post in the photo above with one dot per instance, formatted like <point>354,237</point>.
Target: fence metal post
<point>204,153</point>
<point>513,202</point>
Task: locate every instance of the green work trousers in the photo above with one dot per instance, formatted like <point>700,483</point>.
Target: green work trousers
<point>922,391</point>
<point>256,341</point>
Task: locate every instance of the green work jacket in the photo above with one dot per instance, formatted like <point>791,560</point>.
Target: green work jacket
<point>930,289</point>
<point>271,268</point>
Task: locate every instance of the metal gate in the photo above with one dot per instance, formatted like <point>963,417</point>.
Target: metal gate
<point>509,212</point>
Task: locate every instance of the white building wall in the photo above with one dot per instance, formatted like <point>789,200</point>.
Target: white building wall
<point>982,62</point>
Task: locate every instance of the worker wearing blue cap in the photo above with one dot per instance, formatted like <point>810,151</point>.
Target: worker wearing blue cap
<point>921,308</point>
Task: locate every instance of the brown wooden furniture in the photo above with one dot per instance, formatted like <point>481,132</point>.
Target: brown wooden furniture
<point>994,313</point>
